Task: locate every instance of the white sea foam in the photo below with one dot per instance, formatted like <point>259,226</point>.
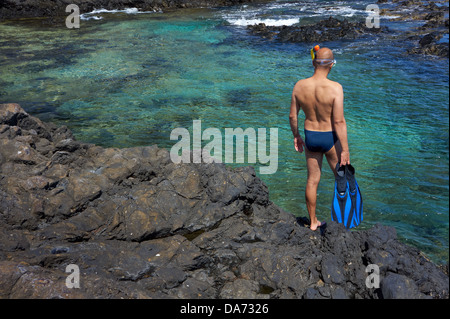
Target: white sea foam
<point>389,17</point>
<point>343,11</point>
<point>282,5</point>
<point>269,14</point>
<point>272,14</point>
<point>290,13</point>
<point>86,17</point>
<point>269,22</point>
<point>94,14</point>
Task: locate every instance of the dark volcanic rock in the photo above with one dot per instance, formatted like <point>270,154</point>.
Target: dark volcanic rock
<point>139,226</point>
<point>56,8</point>
<point>325,30</point>
<point>427,35</point>
<point>429,45</point>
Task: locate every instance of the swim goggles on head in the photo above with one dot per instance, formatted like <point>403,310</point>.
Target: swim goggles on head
<point>325,61</point>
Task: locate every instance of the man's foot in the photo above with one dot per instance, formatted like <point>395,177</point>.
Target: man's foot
<point>314,226</point>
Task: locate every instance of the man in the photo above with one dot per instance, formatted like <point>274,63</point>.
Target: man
<point>322,102</point>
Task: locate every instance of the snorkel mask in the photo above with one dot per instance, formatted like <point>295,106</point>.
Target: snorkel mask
<point>320,61</point>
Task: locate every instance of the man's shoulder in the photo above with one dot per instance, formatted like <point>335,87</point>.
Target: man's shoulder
<point>302,82</point>
<point>335,84</point>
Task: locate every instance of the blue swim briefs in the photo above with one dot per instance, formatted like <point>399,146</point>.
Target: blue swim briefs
<point>321,142</point>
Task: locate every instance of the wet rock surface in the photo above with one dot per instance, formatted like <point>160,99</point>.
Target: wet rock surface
<point>429,44</point>
<point>139,226</point>
<point>330,29</point>
<point>427,38</point>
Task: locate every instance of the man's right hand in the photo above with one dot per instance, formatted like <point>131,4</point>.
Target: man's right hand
<point>345,158</point>
<point>299,143</point>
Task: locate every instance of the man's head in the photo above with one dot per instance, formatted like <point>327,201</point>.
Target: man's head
<point>324,59</point>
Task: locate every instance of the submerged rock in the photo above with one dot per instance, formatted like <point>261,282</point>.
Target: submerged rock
<point>429,45</point>
<point>426,37</point>
<point>139,226</point>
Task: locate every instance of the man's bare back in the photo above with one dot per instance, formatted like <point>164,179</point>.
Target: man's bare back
<point>316,98</point>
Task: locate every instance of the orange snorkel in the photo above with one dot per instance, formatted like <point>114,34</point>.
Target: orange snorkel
<point>313,51</point>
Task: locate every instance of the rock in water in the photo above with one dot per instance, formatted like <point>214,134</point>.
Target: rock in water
<point>330,29</point>
<point>137,225</point>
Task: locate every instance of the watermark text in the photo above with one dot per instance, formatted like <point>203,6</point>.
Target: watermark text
<point>73,280</point>
<point>73,20</point>
<point>234,140</point>
<point>373,279</point>
<point>373,20</point>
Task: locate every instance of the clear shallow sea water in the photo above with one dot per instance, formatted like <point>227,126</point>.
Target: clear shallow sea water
<point>129,79</point>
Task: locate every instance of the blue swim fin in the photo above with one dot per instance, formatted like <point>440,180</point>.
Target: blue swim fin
<point>356,213</point>
<point>347,205</point>
<point>341,205</point>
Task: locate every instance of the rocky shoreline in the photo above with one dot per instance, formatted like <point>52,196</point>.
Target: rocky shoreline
<point>11,9</point>
<point>139,226</point>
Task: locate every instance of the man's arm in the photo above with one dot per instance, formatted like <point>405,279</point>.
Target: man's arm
<point>293,121</point>
<point>340,125</point>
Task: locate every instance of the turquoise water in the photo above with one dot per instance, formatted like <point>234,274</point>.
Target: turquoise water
<point>129,80</point>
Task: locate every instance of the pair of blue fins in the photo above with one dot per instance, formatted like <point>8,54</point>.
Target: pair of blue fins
<point>347,206</point>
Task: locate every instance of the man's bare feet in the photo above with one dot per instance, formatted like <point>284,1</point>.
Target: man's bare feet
<point>316,225</point>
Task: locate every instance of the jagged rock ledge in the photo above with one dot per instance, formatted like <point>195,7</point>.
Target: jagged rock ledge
<point>139,226</point>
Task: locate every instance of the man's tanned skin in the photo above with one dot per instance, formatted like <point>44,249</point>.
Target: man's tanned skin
<point>322,102</point>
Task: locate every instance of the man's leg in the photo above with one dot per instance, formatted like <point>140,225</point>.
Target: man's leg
<point>314,165</point>
<point>333,156</point>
